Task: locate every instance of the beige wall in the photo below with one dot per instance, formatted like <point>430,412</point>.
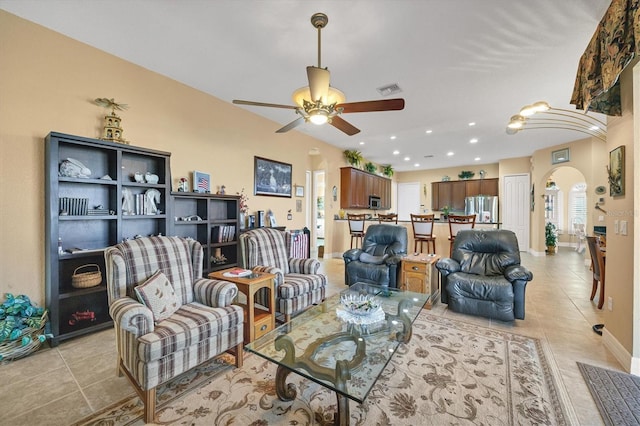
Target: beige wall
<point>620,254</point>
<point>48,82</point>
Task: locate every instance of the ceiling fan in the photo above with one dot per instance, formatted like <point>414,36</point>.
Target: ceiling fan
<point>320,103</point>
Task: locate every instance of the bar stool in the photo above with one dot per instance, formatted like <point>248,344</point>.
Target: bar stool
<point>356,227</point>
<point>423,231</point>
<point>391,217</point>
<point>458,223</point>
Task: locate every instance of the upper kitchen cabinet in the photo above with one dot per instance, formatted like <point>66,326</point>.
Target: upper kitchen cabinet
<point>357,185</point>
<point>481,187</point>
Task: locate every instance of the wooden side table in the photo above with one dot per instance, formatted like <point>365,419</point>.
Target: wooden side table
<point>419,274</point>
<point>257,320</point>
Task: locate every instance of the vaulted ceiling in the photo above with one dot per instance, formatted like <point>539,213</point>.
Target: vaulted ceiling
<point>456,62</point>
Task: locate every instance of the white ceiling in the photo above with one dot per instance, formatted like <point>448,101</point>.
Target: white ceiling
<point>457,61</point>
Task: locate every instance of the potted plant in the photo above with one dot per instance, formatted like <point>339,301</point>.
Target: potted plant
<point>370,167</point>
<point>445,212</point>
<point>466,174</point>
<point>353,156</point>
<point>551,237</point>
<point>387,170</point>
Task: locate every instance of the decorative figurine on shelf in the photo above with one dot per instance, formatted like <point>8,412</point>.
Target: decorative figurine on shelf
<point>112,129</point>
<point>71,167</point>
<point>152,199</point>
<point>183,185</point>
<point>128,207</point>
<point>222,190</point>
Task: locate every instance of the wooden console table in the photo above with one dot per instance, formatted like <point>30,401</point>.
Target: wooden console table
<point>420,275</point>
<point>258,320</point>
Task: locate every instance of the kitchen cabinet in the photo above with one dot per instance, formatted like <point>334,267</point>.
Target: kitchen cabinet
<point>357,185</point>
<point>453,193</point>
<point>481,187</point>
<point>450,194</point>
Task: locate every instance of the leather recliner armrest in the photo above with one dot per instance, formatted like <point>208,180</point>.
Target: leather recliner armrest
<point>351,255</point>
<point>393,260</point>
<point>447,266</point>
<point>517,272</point>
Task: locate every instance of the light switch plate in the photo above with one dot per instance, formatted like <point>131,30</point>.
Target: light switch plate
<point>623,227</point>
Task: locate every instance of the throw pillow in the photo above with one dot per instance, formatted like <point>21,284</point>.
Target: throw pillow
<point>158,295</point>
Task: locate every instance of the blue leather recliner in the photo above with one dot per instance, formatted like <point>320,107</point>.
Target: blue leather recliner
<point>378,261</point>
<point>484,276</point>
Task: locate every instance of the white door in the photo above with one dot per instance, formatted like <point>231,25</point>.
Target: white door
<point>516,207</point>
<point>408,200</point>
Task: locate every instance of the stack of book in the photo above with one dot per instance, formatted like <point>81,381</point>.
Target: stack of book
<point>223,233</point>
<point>73,206</point>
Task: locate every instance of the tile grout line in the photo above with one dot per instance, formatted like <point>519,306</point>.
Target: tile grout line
<point>77,383</point>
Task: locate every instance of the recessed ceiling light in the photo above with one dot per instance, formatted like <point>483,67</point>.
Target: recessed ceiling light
<point>361,142</point>
<point>429,131</point>
<point>476,159</point>
<point>594,128</point>
<point>407,158</point>
<point>474,140</point>
<point>450,153</point>
<point>473,123</point>
<point>416,165</point>
<point>396,152</point>
<point>392,137</point>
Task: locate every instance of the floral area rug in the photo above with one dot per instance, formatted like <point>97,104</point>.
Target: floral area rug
<point>451,372</point>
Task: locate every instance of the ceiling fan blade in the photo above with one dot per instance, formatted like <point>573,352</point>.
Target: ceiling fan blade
<point>295,123</point>
<point>369,106</point>
<point>344,126</point>
<point>318,83</point>
<point>240,102</point>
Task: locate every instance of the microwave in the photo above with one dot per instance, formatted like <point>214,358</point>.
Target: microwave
<point>374,202</point>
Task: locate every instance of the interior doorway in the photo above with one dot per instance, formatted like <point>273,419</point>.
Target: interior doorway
<point>318,211</point>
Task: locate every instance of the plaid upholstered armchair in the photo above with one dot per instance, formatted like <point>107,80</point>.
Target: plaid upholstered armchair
<point>168,319</point>
<point>298,285</point>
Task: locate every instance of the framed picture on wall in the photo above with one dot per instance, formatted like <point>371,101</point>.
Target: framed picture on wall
<point>272,178</point>
<point>201,182</point>
<point>299,191</point>
<point>615,170</point>
<point>560,156</point>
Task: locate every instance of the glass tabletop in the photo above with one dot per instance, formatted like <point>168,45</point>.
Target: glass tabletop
<point>345,353</point>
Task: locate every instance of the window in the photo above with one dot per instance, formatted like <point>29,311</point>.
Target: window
<point>577,214</point>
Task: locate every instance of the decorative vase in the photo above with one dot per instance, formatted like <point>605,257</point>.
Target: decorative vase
<point>242,220</point>
<point>551,250</point>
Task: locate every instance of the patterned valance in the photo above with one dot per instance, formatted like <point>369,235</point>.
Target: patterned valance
<point>612,47</point>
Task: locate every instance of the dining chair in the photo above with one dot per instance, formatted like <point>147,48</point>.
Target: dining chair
<point>391,217</point>
<point>458,223</point>
<point>598,268</point>
<point>356,227</point>
<point>423,231</point>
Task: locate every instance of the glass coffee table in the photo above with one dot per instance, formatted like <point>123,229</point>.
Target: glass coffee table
<point>343,351</point>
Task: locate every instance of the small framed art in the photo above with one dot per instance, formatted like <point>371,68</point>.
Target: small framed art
<point>201,182</point>
<point>560,156</point>
<point>299,191</point>
<point>615,170</point>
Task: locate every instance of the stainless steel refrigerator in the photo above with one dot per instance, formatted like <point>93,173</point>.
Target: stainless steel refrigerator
<point>484,207</point>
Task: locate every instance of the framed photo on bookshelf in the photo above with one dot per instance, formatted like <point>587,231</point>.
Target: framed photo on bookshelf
<point>201,182</point>
<point>272,178</point>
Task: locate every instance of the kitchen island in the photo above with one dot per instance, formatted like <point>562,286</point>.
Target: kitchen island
<point>341,238</point>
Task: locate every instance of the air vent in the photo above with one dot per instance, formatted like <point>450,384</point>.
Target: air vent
<point>389,89</point>
<point>428,156</point>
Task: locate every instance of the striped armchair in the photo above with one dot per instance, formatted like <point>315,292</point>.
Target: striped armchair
<point>203,323</point>
<point>298,285</point>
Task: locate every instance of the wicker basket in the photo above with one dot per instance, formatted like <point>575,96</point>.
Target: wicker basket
<point>13,349</point>
<point>86,279</point>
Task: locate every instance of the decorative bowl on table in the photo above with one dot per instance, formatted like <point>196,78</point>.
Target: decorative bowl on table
<point>359,304</point>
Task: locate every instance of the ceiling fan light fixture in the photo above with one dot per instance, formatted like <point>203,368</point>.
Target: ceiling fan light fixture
<point>319,117</point>
<point>334,96</point>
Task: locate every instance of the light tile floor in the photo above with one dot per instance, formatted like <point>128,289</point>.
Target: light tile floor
<point>62,385</point>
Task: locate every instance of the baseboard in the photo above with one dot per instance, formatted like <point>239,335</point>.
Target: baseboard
<point>532,252</point>
<point>619,352</point>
